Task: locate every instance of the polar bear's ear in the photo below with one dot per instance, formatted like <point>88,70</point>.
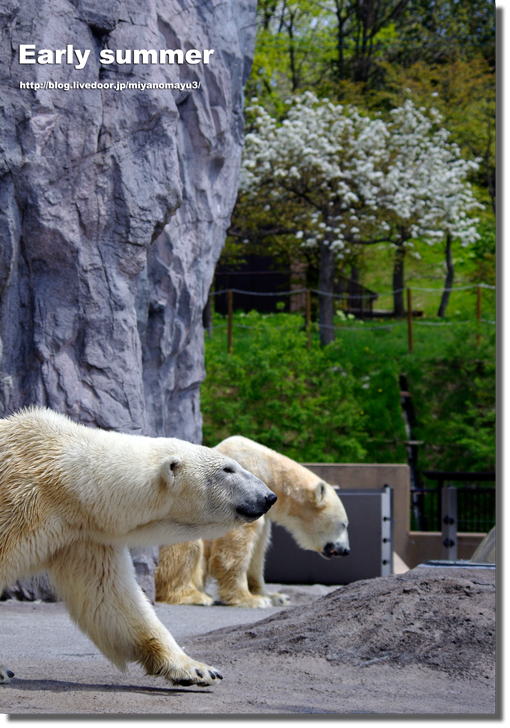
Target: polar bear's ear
<point>171,467</point>
<point>320,492</point>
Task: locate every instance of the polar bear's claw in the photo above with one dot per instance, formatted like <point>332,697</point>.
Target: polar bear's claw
<point>279,599</point>
<point>192,673</point>
<point>5,675</point>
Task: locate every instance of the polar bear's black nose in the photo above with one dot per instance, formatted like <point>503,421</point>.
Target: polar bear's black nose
<point>331,549</point>
<point>252,511</point>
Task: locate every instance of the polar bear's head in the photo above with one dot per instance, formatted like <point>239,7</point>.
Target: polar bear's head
<point>307,506</point>
<point>209,491</point>
<point>317,519</point>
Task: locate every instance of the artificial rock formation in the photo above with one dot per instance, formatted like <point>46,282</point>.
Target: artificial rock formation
<point>114,208</point>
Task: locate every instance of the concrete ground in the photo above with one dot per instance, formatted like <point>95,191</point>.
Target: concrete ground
<point>260,652</point>
<point>59,670</point>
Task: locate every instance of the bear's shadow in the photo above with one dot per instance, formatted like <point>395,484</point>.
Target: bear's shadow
<point>58,686</point>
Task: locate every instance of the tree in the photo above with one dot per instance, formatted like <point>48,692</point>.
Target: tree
<point>295,50</point>
<point>464,93</point>
<point>336,180</point>
<point>423,193</point>
<point>320,162</point>
<point>334,46</point>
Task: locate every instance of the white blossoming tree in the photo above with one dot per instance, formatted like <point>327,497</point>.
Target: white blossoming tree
<point>423,193</point>
<point>351,180</point>
<point>322,161</point>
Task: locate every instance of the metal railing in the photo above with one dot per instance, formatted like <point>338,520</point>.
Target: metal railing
<point>476,501</point>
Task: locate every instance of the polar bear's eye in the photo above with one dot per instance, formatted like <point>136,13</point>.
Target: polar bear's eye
<point>228,469</point>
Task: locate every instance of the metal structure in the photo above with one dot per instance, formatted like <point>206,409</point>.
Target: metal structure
<point>476,504</point>
<point>449,523</point>
<point>370,515</point>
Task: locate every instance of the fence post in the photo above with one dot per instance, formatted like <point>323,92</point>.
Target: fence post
<point>449,523</point>
<point>410,319</point>
<point>479,312</point>
<point>207,316</point>
<point>230,316</point>
<point>308,319</point>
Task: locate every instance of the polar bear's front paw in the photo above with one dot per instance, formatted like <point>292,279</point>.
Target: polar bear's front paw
<point>200,599</point>
<point>250,601</point>
<point>190,672</point>
<point>5,675</point>
<point>279,599</point>
<point>188,596</point>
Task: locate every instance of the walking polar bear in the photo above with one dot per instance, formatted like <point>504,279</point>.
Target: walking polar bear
<point>307,507</point>
<point>72,499</point>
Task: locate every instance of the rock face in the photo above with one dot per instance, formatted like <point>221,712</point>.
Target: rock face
<point>181,262</point>
<point>115,206</point>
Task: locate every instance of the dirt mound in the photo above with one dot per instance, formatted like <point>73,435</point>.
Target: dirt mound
<point>435,618</point>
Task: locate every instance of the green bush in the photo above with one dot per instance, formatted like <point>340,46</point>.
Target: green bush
<point>454,395</point>
<point>341,403</point>
<point>308,405</point>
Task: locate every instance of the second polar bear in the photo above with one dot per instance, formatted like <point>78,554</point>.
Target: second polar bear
<point>73,498</point>
<point>307,507</point>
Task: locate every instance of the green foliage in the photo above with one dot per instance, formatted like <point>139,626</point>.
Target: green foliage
<point>374,54</point>
<point>329,46</point>
<point>275,391</point>
<point>294,50</point>
<point>463,91</point>
<point>446,30</point>
<point>455,399</point>
<point>483,254</point>
<point>341,403</point>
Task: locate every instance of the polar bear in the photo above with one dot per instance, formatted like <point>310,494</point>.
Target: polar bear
<point>73,498</point>
<point>307,507</point>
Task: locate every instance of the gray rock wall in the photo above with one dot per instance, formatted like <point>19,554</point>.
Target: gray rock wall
<point>181,262</point>
<point>114,208</point>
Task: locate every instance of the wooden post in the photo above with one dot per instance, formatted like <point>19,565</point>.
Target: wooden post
<point>479,313</point>
<point>207,316</point>
<point>308,320</point>
<point>410,319</point>
<point>230,316</point>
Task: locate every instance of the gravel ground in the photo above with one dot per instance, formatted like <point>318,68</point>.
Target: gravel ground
<point>417,643</point>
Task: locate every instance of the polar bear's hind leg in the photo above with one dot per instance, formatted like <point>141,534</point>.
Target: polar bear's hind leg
<point>255,574</point>
<point>180,575</point>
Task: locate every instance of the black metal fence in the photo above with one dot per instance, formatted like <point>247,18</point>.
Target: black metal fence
<point>476,502</point>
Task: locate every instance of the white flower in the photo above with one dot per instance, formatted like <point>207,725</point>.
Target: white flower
<point>340,167</point>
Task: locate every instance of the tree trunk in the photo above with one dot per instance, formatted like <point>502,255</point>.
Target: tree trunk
<point>449,277</point>
<point>292,54</point>
<point>326,300</point>
<point>398,281</point>
<point>340,42</point>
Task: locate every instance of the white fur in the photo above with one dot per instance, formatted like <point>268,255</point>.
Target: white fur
<point>72,499</point>
<point>307,507</point>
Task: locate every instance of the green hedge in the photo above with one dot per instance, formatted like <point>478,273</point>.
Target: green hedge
<point>341,403</point>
